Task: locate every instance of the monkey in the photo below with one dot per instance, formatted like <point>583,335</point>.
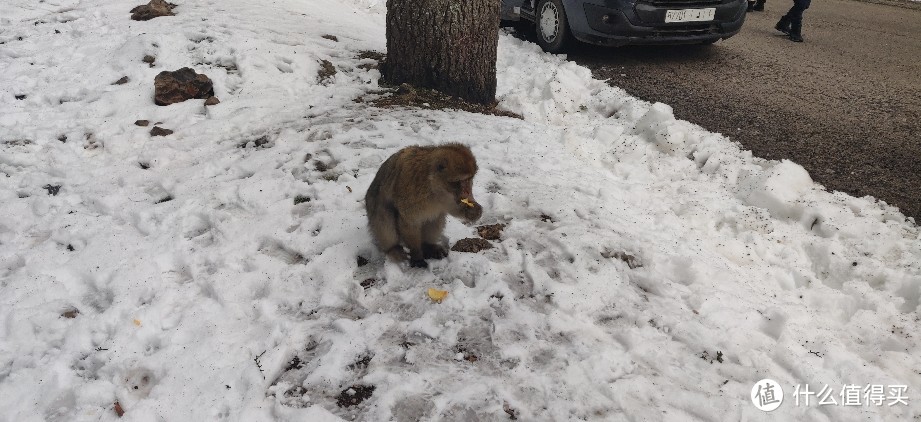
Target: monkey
<point>410,195</point>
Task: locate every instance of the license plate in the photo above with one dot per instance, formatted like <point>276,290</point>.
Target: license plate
<point>690,15</point>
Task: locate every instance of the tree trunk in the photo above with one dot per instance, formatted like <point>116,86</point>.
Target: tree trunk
<point>447,45</point>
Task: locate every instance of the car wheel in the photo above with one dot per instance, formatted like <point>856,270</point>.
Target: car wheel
<point>552,28</point>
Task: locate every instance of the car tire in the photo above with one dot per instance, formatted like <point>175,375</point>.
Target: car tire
<point>553,34</point>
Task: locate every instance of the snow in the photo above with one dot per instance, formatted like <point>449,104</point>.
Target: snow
<point>648,270</point>
<point>778,189</point>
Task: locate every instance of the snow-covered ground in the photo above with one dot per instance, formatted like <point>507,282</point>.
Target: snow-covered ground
<point>649,269</point>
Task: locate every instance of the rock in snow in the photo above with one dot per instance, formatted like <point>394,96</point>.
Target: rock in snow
<point>159,131</point>
<point>180,85</point>
<point>155,8</point>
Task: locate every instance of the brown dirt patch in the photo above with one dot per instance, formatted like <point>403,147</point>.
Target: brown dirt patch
<point>472,245</point>
<point>430,99</point>
<point>490,232</point>
<point>354,395</point>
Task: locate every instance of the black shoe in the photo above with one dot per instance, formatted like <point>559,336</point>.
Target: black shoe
<point>751,6</point>
<point>758,7</point>
<point>783,27</point>
<point>796,38</point>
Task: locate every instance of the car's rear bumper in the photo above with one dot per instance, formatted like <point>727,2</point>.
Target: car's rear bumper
<point>623,22</point>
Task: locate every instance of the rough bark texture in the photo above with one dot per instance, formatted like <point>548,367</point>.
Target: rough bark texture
<point>447,45</point>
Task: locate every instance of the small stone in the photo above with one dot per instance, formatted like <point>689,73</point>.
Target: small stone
<point>121,81</point>
<point>142,122</point>
<point>155,8</point>
<point>159,131</point>
<point>212,101</point>
<point>70,313</point>
<point>149,60</point>
<point>20,97</point>
<point>118,409</point>
<point>331,37</point>
<point>180,85</point>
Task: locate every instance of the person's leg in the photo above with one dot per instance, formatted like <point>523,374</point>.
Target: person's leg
<point>796,19</point>
<point>783,25</point>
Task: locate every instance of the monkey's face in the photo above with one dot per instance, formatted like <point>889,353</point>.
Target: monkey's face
<point>461,187</point>
<point>455,170</point>
<point>465,206</point>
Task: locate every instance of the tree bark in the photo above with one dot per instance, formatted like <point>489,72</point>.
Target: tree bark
<point>447,45</point>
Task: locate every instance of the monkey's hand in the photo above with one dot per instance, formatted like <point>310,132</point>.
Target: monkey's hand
<point>473,213</point>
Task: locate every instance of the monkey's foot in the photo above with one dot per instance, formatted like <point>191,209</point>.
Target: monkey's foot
<point>432,251</point>
<point>418,263</point>
<point>397,254</point>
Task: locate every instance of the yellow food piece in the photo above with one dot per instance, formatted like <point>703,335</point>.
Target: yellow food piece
<point>437,295</point>
<point>137,322</point>
<point>467,202</point>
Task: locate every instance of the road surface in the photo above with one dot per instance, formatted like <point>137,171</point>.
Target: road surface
<point>846,104</point>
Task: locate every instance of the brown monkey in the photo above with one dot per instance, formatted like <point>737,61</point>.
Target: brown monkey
<point>412,192</point>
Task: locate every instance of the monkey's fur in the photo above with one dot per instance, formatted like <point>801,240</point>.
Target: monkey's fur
<point>412,192</point>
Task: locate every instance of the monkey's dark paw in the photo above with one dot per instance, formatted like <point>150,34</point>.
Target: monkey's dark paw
<point>418,263</point>
<point>473,213</point>
<point>430,251</point>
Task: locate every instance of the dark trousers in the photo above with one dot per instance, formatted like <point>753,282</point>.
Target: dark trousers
<point>794,17</point>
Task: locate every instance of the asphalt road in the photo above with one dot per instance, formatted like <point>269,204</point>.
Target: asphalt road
<point>846,104</point>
